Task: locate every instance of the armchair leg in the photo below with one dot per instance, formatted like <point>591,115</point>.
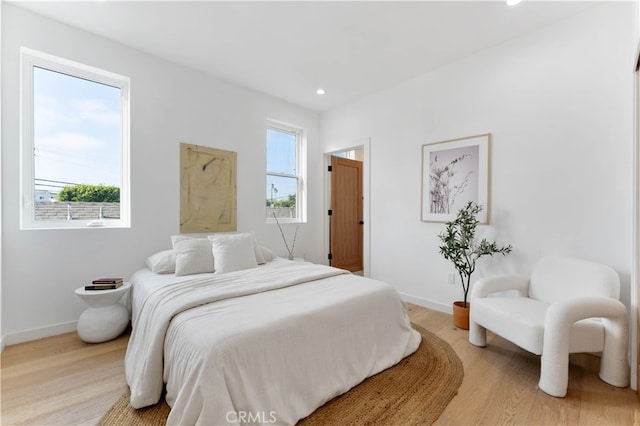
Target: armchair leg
<point>614,363</point>
<point>554,373</point>
<point>477,334</point>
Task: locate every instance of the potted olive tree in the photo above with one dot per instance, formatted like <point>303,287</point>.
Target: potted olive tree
<point>459,246</point>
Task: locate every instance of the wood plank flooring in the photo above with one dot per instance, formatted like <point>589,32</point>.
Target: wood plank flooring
<point>64,381</point>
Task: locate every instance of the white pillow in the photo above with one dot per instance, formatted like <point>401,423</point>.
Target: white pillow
<point>258,252</point>
<point>193,255</point>
<point>163,262</point>
<point>256,248</point>
<point>267,254</point>
<point>233,252</point>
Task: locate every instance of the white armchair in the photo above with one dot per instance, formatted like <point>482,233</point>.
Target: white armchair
<point>568,305</point>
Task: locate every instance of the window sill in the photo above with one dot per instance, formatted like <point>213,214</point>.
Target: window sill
<point>283,220</point>
<point>84,224</point>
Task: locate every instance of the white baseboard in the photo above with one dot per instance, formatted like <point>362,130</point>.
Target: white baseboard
<point>38,333</point>
<point>426,303</point>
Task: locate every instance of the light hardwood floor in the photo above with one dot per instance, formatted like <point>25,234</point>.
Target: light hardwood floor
<point>64,381</point>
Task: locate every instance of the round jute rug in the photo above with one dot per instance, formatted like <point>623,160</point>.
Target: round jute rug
<point>414,391</point>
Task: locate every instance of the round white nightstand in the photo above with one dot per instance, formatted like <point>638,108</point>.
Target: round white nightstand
<point>105,318</point>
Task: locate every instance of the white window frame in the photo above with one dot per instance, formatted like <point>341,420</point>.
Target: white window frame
<point>301,169</point>
<point>32,58</point>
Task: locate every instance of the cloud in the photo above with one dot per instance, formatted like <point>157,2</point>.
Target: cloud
<point>69,142</point>
<point>96,111</point>
<point>51,113</point>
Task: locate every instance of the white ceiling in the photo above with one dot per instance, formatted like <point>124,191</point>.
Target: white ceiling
<point>289,49</point>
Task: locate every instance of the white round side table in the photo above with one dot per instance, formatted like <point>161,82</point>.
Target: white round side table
<point>105,319</point>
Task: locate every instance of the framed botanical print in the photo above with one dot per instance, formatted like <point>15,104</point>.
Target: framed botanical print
<point>455,172</point>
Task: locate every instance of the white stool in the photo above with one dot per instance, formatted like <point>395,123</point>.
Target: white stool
<point>105,319</point>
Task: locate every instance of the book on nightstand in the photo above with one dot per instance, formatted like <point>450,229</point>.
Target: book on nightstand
<point>107,281</point>
<point>105,284</point>
<point>112,286</point>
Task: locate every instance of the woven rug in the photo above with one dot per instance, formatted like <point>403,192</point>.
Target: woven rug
<point>414,391</point>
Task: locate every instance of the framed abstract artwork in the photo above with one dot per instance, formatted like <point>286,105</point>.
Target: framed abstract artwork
<point>455,172</point>
<point>207,189</point>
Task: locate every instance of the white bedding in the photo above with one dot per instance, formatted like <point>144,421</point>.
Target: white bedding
<point>263,345</point>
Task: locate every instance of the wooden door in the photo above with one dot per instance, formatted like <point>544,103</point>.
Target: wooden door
<point>346,214</point>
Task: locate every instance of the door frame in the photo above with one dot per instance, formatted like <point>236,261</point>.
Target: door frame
<point>365,145</point>
<point>634,323</point>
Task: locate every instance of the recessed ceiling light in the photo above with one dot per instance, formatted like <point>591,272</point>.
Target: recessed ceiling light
<point>320,92</point>
<point>513,2</point>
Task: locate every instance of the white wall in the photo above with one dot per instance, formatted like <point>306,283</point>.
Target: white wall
<point>169,104</point>
<point>559,104</point>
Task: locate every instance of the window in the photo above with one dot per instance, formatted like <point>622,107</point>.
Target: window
<point>75,144</point>
<point>286,158</point>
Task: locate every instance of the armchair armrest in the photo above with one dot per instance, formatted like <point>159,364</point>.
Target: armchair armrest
<point>484,286</point>
<point>559,319</point>
<point>565,312</point>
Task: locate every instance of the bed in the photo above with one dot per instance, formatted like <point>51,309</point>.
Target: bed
<point>267,344</point>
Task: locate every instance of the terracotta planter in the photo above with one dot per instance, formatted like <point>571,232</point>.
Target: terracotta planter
<point>461,315</point>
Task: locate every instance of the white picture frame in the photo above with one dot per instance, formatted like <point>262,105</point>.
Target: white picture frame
<point>454,172</point>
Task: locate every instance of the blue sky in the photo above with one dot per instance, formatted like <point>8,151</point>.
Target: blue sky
<point>77,130</point>
<point>281,158</point>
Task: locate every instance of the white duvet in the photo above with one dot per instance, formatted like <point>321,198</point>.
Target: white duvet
<point>264,345</point>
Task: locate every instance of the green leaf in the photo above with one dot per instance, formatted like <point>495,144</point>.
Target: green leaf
<point>459,245</point>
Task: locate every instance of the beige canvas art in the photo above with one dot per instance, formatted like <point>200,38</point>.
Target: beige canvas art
<point>207,189</point>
